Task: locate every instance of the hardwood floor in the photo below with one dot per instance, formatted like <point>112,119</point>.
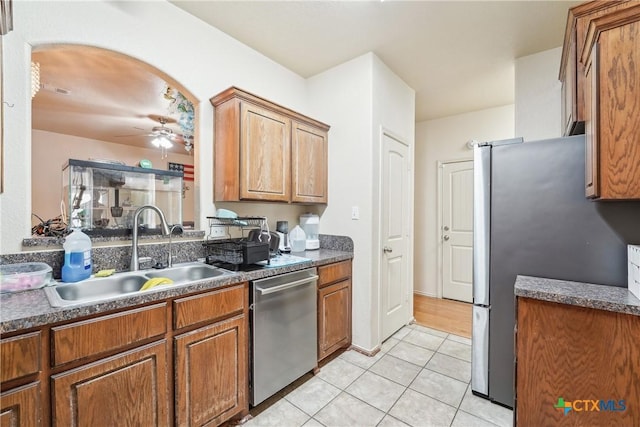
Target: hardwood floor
<point>445,315</point>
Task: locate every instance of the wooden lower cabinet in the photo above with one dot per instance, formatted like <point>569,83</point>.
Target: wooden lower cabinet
<point>211,373</point>
<point>568,355</point>
<point>132,368</point>
<point>334,308</point>
<point>128,389</point>
<point>21,407</point>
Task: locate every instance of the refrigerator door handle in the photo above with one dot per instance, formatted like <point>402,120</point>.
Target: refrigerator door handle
<point>480,351</point>
<point>481,223</point>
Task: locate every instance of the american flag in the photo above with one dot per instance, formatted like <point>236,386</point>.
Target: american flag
<point>186,169</point>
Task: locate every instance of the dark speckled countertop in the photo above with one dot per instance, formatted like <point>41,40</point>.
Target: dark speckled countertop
<point>31,309</point>
<point>609,298</point>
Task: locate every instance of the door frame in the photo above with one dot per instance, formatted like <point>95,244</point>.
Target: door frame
<point>439,191</point>
<point>377,250</point>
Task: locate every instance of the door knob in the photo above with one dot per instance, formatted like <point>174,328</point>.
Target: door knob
<point>446,228</point>
<point>387,249</point>
<point>445,237</point>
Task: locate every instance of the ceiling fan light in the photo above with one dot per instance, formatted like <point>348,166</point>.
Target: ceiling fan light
<point>164,142</point>
<point>156,142</point>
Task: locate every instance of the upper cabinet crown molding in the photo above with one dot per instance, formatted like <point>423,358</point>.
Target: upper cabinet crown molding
<point>236,93</point>
<point>572,69</point>
<point>600,75</point>
<point>616,18</point>
<point>266,152</point>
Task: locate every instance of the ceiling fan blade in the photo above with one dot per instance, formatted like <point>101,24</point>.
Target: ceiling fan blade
<point>128,136</point>
<point>133,134</point>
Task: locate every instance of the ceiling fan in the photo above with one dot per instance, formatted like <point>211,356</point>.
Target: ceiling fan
<point>163,136</point>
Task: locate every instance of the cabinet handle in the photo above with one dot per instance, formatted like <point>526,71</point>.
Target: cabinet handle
<point>445,237</point>
<point>387,250</point>
<point>266,291</point>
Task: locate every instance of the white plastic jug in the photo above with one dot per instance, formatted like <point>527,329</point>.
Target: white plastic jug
<point>298,239</point>
<point>77,257</point>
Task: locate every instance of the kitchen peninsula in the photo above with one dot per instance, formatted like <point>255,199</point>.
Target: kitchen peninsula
<point>575,342</point>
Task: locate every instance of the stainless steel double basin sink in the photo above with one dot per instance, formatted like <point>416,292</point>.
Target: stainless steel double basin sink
<point>125,284</point>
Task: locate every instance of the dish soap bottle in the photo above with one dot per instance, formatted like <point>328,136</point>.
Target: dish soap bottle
<point>77,257</point>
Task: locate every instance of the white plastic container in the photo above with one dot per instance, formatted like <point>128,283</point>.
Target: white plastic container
<point>24,276</point>
<point>298,239</point>
<point>77,257</point>
<point>310,224</point>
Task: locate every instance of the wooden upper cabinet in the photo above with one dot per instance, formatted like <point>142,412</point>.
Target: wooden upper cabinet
<point>572,69</point>
<point>611,54</point>
<point>266,152</point>
<point>309,165</point>
<point>265,147</point>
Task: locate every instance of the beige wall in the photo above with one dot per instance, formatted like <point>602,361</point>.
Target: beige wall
<point>358,98</point>
<point>50,151</point>
<point>538,95</point>
<point>442,140</point>
<point>203,59</point>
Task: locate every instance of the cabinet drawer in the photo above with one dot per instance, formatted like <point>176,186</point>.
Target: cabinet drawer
<point>21,406</point>
<point>103,334</point>
<point>20,356</point>
<point>333,272</point>
<point>209,306</point>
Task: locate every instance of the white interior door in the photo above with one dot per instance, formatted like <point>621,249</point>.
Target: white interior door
<point>457,230</point>
<point>395,214</point>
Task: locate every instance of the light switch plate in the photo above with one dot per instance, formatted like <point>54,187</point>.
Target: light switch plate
<point>355,212</point>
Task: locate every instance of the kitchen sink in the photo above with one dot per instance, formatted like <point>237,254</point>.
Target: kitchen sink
<point>188,273</point>
<point>127,283</point>
<point>100,288</point>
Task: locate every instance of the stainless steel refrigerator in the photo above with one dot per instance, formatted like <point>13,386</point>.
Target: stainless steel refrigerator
<point>531,217</point>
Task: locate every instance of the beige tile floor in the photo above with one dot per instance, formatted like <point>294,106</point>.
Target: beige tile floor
<point>420,378</point>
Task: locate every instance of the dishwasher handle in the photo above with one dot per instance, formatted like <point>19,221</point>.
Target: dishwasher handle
<point>274,289</point>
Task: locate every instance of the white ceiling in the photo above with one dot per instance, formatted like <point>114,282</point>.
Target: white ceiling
<point>457,55</point>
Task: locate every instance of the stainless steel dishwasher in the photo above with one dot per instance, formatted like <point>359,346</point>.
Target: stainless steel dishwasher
<point>283,331</point>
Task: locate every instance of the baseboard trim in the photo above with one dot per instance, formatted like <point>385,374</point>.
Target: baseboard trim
<point>424,294</point>
<point>361,350</point>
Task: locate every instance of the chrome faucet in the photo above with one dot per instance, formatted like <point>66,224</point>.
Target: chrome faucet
<point>170,257</point>
<point>135,261</point>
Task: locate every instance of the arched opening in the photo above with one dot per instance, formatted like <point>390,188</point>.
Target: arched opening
<point>100,105</point>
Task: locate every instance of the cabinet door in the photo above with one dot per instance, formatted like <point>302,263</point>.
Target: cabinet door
<point>309,164</point>
<point>575,353</point>
<point>21,407</point>
<point>569,90</point>
<point>334,318</point>
<point>591,127</point>
<point>618,95</point>
<point>211,373</point>
<point>129,389</point>
<point>265,155</point>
